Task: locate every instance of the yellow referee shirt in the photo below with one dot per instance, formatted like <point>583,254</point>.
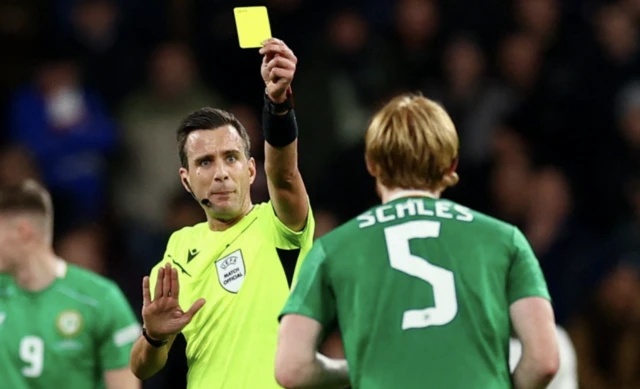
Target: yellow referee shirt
<point>244,273</point>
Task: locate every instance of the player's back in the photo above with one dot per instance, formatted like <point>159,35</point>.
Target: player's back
<point>422,291</point>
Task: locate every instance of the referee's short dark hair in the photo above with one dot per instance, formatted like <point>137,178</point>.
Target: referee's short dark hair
<point>208,119</point>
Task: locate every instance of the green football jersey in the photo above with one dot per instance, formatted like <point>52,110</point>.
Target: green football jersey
<point>420,290</point>
<point>65,336</point>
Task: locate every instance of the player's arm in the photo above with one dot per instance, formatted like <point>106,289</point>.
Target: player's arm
<point>121,379</point>
<point>308,313</point>
<point>298,364</point>
<point>163,320</point>
<point>118,330</point>
<point>534,325</point>
<point>286,188</point>
<point>532,318</point>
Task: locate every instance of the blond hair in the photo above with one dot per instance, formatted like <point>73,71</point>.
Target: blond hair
<point>412,143</point>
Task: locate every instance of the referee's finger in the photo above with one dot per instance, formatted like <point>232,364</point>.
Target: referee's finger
<point>159,284</point>
<point>280,62</point>
<point>175,284</point>
<point>146,298</point>
<point>279,73</point>
<point>194,309</point>
<point>282,50</point>
<point>166,285</point>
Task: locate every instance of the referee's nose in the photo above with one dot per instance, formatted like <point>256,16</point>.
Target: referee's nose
<point>220,173</point>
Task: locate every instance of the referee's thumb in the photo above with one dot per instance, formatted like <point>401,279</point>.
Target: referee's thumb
<point>194,309</point>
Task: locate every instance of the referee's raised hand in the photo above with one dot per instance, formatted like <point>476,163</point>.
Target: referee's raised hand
<point>163,316</point>
<point>278,68</point>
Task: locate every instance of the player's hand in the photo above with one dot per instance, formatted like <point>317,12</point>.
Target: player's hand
<point>163,316</point>
<point>278,68</point>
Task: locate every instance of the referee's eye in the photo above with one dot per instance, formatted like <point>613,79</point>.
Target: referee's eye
<point>231,158</point>
<point>205,162</point>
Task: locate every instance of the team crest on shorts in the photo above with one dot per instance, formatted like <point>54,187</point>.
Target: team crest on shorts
<point>231,271</point>
<point>69,323</point>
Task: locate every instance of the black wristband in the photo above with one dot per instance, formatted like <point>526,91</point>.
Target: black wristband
<point>279,108</point>
<point>153,342</point>
<point>279,130</point>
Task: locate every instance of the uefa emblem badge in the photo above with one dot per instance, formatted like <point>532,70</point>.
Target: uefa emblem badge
<point>231,271</point>
<point>69,323</point>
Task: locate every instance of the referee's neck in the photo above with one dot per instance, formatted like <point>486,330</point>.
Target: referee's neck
<point>216,224</point>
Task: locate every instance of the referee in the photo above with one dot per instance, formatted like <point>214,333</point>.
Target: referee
<point>236,269</point>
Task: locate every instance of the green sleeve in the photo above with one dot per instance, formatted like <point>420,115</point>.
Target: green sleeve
<point>525,277</point>
<point>312,295</point>
<point>119,331</point>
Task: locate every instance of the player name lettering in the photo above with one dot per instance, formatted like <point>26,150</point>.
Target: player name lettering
<point>232,275</point>
<point>411,207</point>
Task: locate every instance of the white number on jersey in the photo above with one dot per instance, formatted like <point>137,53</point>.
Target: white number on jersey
<point>32,352</point>
<point>442,280</point>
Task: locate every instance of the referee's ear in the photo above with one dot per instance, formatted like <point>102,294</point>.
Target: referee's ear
<point>184,178</point>
<point>251,165</point>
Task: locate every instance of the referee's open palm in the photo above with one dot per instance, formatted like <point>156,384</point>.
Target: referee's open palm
<point>163,316</point>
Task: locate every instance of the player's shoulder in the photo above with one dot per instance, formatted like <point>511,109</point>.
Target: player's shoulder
<point>483,227</point>
<point>88,283</point>
<point>486,221</point>
<point>346,232</point>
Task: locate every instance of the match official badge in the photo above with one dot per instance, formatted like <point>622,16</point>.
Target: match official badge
<point>231,271</point>
<point>69,323</point>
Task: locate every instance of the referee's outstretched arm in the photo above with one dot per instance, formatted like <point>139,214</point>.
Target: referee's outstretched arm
<point>286,188</point>
<point>149,355</point>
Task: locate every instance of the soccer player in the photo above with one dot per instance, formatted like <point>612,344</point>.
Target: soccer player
<point>60,326</point>
<point>424,291</point>
<point>222,283</point>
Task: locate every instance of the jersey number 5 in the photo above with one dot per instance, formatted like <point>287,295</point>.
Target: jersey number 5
<point>442,280</point>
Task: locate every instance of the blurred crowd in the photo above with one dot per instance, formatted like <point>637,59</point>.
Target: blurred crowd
<point>545,95</point>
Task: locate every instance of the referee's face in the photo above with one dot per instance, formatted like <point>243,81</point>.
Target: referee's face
<point>219,171</point>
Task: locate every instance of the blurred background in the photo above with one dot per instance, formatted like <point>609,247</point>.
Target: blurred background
<point>545,95</point>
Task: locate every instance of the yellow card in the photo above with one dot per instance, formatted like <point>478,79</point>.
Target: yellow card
<point>253,26</point>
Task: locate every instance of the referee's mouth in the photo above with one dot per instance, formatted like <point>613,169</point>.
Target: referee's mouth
<point>223,193</point>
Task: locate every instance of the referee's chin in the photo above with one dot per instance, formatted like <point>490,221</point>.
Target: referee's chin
<point>224,212</point>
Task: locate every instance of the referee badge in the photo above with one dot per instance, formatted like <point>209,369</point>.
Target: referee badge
<point>231,271</point>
